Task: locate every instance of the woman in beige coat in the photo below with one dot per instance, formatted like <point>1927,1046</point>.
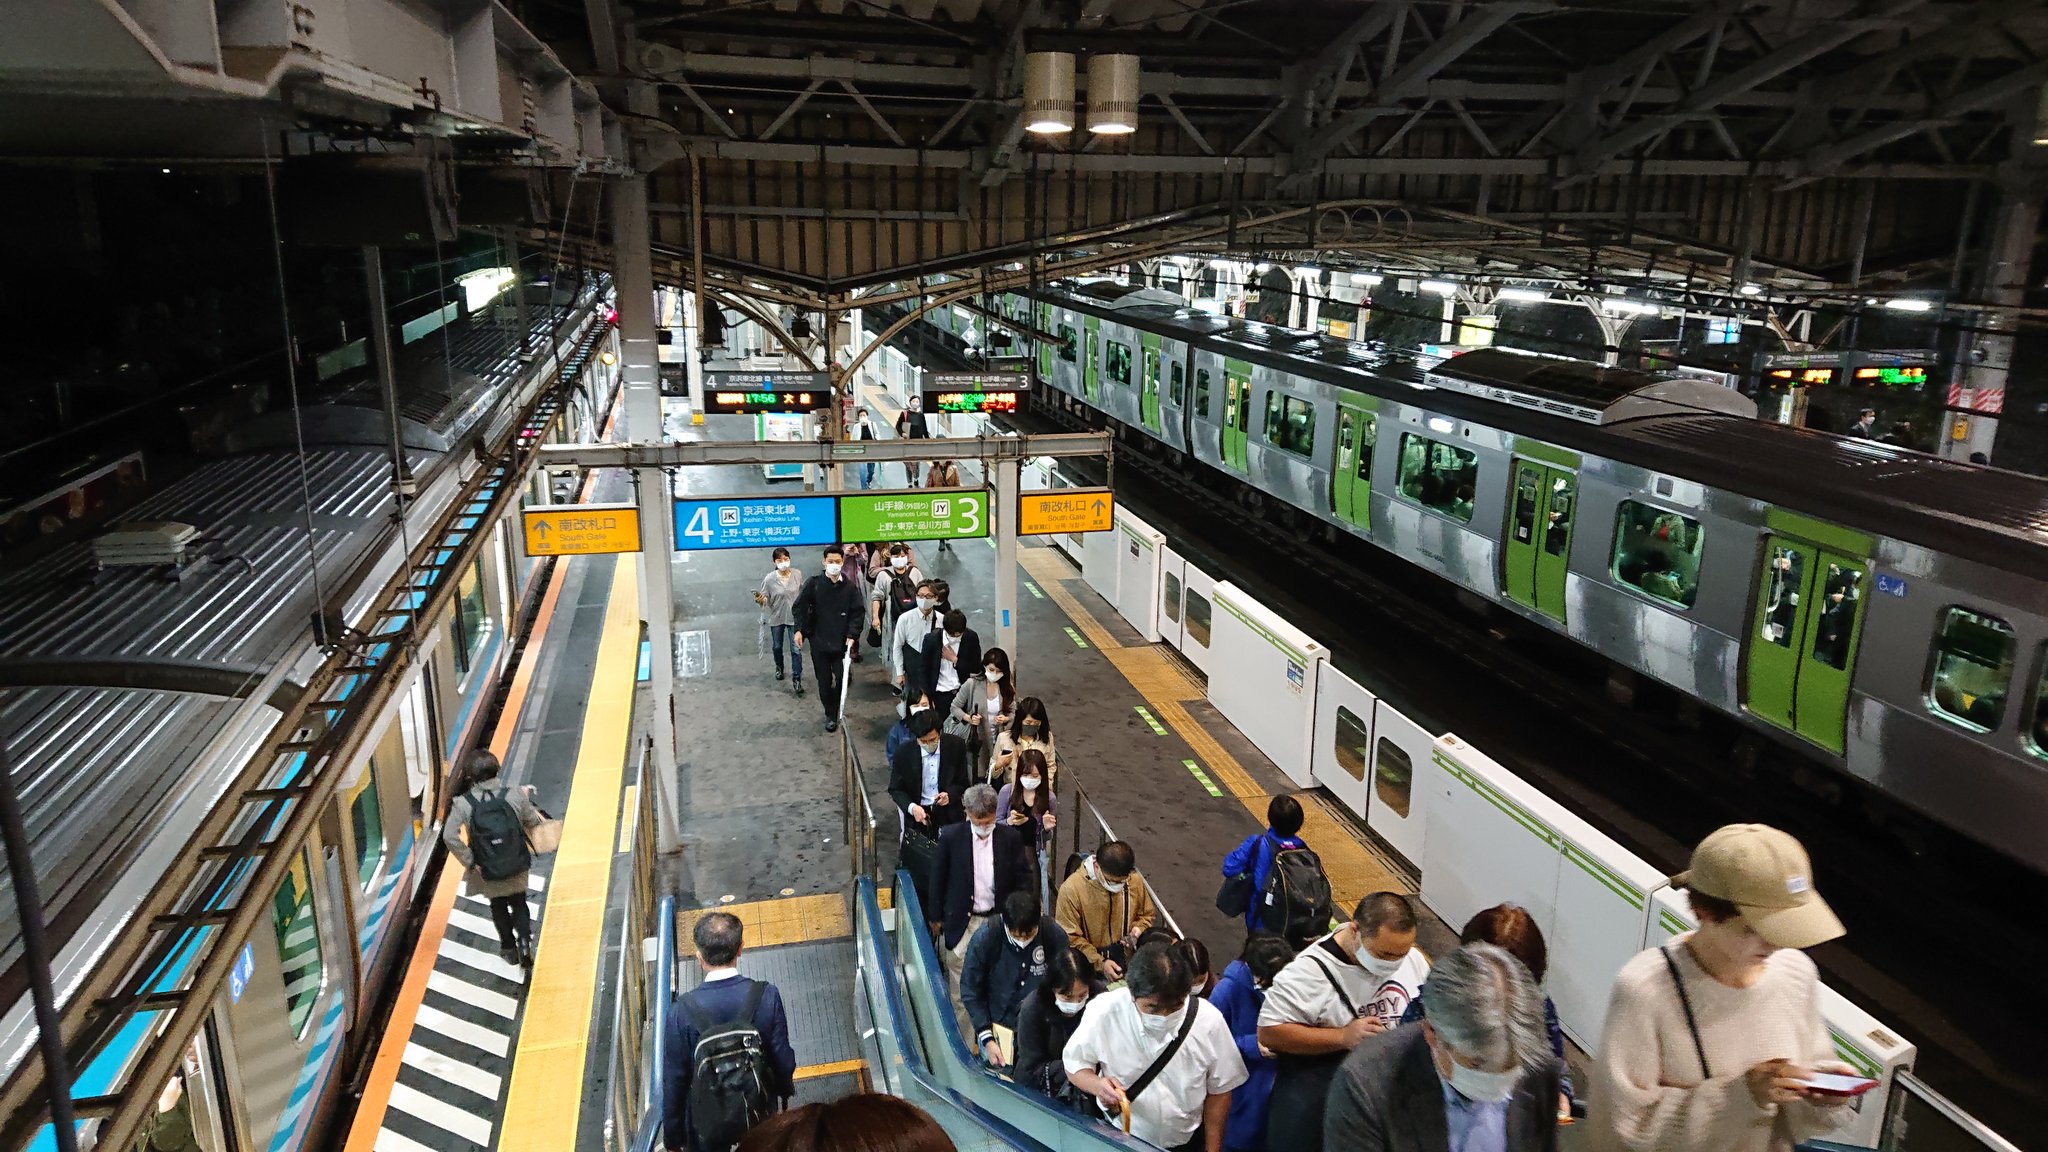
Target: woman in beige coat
<point>507,893</point>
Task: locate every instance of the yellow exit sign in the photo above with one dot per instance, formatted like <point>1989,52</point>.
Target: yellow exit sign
<point>581,529</point>
<point>1070,510</point>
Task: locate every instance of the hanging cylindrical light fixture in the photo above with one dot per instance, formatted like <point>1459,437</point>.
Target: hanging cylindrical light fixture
<point>1113,94</point>
<point>1049,92</point>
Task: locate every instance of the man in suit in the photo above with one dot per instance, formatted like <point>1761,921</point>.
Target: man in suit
<point>978,865</point>
<point>1478,1075</point>
<point>951,657</point>
<point>927,775</point>
<point>721,999</point>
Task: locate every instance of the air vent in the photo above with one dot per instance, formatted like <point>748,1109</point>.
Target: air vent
<point>144,544</point>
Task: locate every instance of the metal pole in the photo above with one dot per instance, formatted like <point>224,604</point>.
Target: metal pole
<point>638,367</point>
<point>697,286</point>
<point>35,953</point>
<point>1004,516</point>
<point>518,290</point>
<point>387,371</point>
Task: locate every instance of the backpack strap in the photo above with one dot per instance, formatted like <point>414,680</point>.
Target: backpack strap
<point>1159,1063</point>
<point>1691,1024</point>
<point>1342,998</point>
<point>703,1023</point>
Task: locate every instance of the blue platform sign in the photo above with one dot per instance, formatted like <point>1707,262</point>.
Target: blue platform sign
<point>756,522</point>
<point>238,976</point>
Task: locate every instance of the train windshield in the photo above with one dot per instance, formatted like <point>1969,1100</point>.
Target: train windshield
<point>1972,669</point>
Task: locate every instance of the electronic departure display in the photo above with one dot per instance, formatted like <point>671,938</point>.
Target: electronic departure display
<point>1004,401</point>
<point>730,392</point>
<point>1896,375</point>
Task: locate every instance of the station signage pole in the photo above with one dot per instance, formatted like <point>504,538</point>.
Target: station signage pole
<point>1006,472</point>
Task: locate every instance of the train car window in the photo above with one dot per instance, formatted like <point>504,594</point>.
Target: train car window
<point>1067,342</point>
<point>2037,735</point>
<point>1657,552</point>
<point>469,616</point>
<point>1202,392</point>
<point>1393,776</point>
<point>1349,742</point>
<point>1972,668</point>
<point>1291,423</point>
<point>1438,476</point>
<point>368,821</point>
<point>1169,597</point>
<point>1118,364</point>
<point>1177,389</point>
<point>1557,538</point>
<point>298,943</point>
<point>1842,592</point>
<point>1781,599</point>
<point>1197,618</point>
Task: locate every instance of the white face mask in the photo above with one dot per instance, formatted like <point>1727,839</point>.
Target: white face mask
<point>1483,1087</point>
<point>1030,783</point>
<point>1155,1027</point>
<point>982,833</point>
<point>1113,885</point>
<point>782,565</point>
<point>1016,943</point>
<point>1380,969</point>
<point>832,567</point>
<point>925,603</point>
<point>995,675</point>
<point>1070,1007</point>
<point>899,563</point>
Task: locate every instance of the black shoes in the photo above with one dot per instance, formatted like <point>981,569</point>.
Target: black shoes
<point>778,673</point>
<point>799,689</point>
<point>831,725</point>
<point>509,954</point>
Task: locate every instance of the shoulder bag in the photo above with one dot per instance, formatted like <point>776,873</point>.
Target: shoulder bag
<point>1691,1024</point>
<point>1159,1063</point>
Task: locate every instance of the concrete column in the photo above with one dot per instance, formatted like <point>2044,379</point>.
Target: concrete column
<point>1988,360</point>
<point>640,371</point>
<point>1003,517</point>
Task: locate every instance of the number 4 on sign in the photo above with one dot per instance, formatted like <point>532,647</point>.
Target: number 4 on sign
<point>699,527</point>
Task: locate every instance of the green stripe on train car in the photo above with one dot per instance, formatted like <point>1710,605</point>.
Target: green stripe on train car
<point>1858,544</point>
<point>1548,453</point>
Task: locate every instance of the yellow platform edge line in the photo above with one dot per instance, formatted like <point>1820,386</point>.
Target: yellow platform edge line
<point>554,1036</point>
<point>1353,868</point>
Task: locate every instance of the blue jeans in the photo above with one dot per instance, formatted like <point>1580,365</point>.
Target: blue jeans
<point>782,636</point>
<point>867,475</point>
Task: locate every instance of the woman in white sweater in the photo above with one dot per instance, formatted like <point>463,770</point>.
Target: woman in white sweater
<point>1710,1039</point>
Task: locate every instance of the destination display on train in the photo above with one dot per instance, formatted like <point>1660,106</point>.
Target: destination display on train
<point>728,392</point>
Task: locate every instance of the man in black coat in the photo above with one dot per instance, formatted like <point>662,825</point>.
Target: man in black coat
<point>977,860</point>
<point>829,611</point>
<point>928,775</point>
<point>956,640</point>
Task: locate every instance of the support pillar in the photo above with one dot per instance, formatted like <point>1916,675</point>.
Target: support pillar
<point>1003,515</point>
<point>518,290</point>
<point>699,302</point>
<point>2008,263</point>
<point>387,371</point>
<point>640,372</point>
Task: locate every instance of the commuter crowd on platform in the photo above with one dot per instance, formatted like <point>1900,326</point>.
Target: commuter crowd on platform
<point>1326,1027</point>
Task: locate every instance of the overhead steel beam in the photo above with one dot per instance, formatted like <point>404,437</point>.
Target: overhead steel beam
<point>789,112</point>
<point>696,452</point>
<point>1829,158</point>
<point>1785,58</point>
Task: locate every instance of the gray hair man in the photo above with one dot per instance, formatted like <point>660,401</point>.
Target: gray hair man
<point>1477,1075</point>
<point>976,867</point>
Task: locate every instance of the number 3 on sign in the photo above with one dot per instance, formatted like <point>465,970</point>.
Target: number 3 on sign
<point>970,510</point>
<point>700,524</point>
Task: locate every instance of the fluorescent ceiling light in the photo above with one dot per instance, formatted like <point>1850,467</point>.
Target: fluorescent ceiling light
<point>1263,267</point>
<point>1440,287</point>
<point>1219,262</point>
<point>1752,289</point>
<point>1905,304</point>
<point>1524,295</point>
<point>1308,270</point>
<point>1631,307</point>
<point>1369,279</point>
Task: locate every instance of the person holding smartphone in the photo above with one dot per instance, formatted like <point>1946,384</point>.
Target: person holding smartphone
<point>1713,1041</point>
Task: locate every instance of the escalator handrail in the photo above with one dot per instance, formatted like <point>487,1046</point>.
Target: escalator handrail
<point>657,1004</point>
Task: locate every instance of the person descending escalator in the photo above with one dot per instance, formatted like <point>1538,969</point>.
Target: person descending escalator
<point>487,831</point>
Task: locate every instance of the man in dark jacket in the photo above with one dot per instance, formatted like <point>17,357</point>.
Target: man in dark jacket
<point>977,867</point>
<point>951,657</point>
<point>830,612</point>
<point>721,997</point>
<point>1006,962</point>
<point>928,775</point>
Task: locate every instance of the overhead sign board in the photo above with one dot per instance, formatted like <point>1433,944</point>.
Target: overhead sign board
<point>940,403</point>
<point>914,514</point>
<point>756,522</point>
<point>731,392</point>
<point>1070,510</point>
<point>977,382</point>
<point>581,529</point>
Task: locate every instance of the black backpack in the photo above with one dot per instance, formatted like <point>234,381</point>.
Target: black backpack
<point>1296,901</point>
<point>729,1076</point>
<point>497,840</point>
<point>902,595</point>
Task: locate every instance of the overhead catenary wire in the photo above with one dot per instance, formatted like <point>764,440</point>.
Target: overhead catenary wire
<point>291,372</point>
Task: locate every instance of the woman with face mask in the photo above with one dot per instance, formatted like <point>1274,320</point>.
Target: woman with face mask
<point>899,733</point>
<point>1047,1021</point>
<point>1030,727</point>
<point>982,709</point>
<point>1027,802</point>
<point>1239,995</point>
<point>777,598</point>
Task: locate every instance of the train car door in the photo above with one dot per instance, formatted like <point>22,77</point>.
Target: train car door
<point>1091,351</point>
<point>1803,637</point>
<point>1351,474</point>
<point>1539,538</point>
<point>1148,381</point>
<point>1237,414</point>
<point>1046,348</point>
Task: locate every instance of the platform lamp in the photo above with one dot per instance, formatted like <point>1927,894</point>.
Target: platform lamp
<point>1049,92</point>
<point>1113,94</point>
